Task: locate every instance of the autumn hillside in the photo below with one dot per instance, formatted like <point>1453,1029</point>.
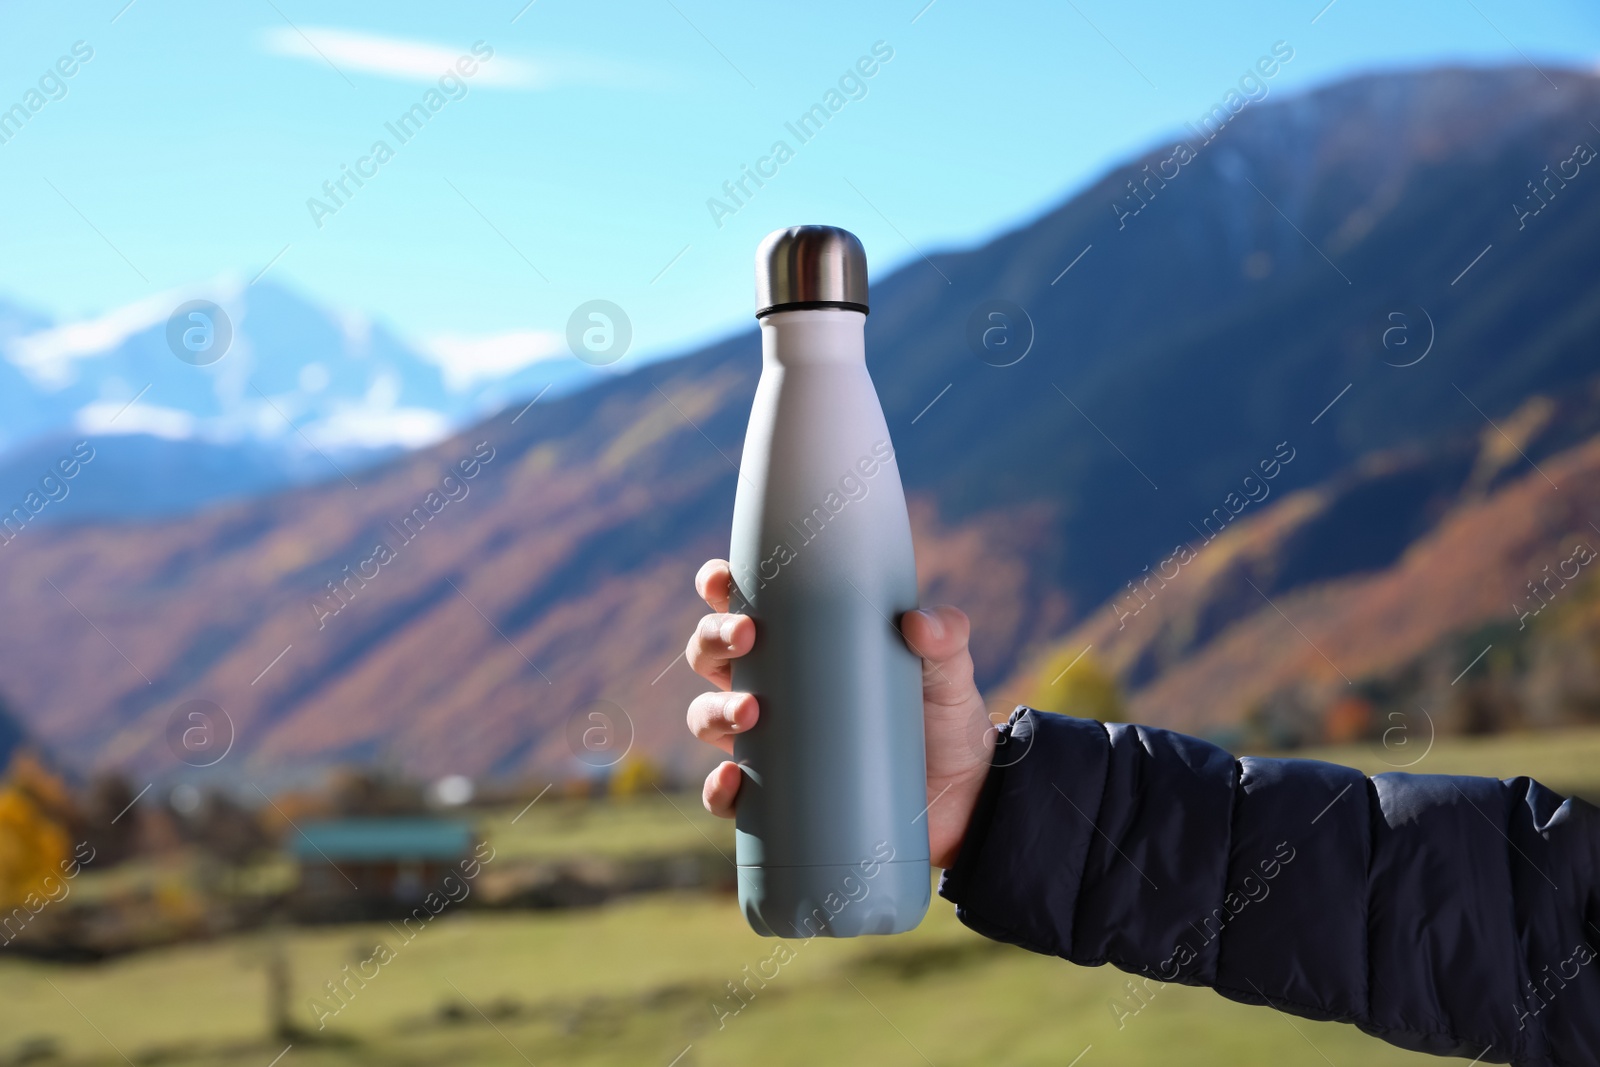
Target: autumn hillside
<point>1489,619</point>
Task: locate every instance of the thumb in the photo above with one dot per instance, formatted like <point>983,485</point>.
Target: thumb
<point>939,635</point>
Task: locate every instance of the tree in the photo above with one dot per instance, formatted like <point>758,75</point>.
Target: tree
<point>1074,683</point>
<point>32,848</point>
<point>636,774</point>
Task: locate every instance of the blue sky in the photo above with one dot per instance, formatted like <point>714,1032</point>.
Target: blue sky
<point>577,161</point>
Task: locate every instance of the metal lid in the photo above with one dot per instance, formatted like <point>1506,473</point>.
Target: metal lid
<point>810,267</point>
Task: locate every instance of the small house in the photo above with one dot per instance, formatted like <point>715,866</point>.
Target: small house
<point>373,868</point>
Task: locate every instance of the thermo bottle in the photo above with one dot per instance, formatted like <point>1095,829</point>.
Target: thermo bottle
<point>832,834</point>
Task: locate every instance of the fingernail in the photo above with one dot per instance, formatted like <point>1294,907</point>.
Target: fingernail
<point>935,627</point>
<point>727,631</point>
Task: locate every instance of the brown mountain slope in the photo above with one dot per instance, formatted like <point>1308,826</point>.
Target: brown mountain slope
<point>1218,640</point>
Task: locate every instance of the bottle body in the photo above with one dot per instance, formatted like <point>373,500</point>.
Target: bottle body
<point>831,826</point>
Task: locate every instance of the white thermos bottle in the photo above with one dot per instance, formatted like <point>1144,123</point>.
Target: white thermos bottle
<point>831,832</point>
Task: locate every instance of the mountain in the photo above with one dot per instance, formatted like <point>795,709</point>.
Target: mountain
<point>140,476</point>
<point>300,393</point>
<point>1320,607</point>
<point>12,738</point>
<point>1330,280</point>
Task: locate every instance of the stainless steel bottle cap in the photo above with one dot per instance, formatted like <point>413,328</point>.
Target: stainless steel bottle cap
<point>810,267</point>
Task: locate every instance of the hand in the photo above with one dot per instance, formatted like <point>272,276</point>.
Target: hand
<point>959,738</point>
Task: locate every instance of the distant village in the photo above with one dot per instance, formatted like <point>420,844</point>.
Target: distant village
<point>101,867</point>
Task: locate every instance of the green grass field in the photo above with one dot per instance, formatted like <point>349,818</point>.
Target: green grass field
<point>1567,761</point>
<point>557,829</point>
<point>634,982</point>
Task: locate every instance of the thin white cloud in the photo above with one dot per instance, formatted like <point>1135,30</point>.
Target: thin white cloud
<point>465,361</point>
<point>392,57</point>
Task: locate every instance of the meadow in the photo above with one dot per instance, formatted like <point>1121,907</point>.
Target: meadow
<point>645,980</point>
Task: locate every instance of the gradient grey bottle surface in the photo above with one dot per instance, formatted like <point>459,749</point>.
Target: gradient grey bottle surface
<point>831,832</point>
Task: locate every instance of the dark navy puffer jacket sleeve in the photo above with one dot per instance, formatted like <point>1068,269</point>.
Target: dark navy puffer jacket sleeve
<point>1458,916</point>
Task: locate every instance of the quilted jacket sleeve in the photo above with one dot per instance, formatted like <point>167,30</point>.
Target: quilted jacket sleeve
<point>1458,916</point>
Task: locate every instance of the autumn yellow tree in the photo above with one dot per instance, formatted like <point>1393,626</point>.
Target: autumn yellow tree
<point>32,847</point>
<point>1074,683</point>
<point>634,776</point>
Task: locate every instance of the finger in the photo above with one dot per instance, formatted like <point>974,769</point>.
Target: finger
<point>714,582</point>
<point>717,640</point>
<point>722,790</point>
<point>715,717</point>
<point>939,635</point>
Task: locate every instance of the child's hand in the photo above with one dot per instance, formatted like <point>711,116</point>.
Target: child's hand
<point>959,737</point>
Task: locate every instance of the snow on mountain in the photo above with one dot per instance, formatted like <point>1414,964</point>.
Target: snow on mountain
<point>299,393</point>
